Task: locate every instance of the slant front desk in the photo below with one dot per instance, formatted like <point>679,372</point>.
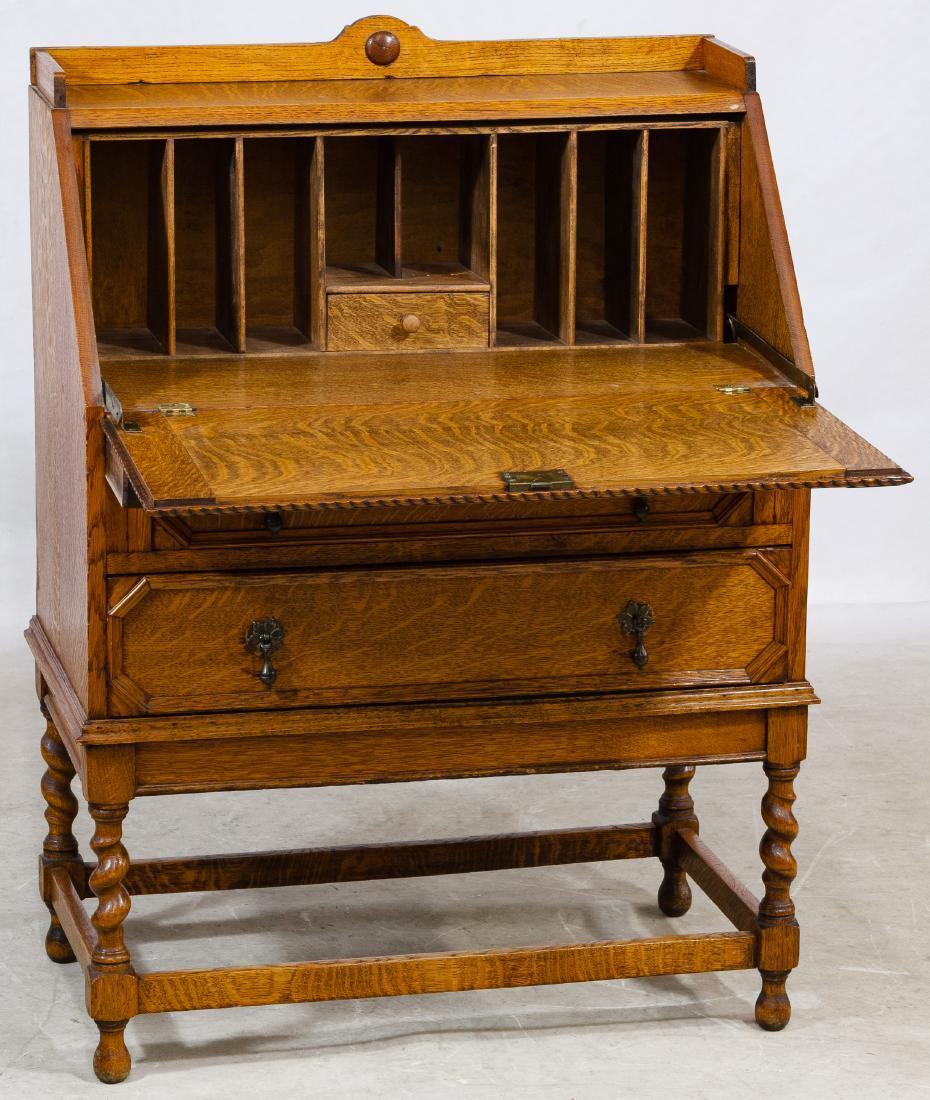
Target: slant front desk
<point>412,410</point>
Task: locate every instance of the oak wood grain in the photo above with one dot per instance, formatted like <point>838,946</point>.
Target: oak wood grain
<point>56,693</point>
<point>734,900</point>
<point>344,57</point>
<point>74,918</point>
<point>729,64</point>
<point>401,129</point>
<point>461,631</point>
<point>374,321</point>
<point>527,215</point>
<point>732,212</point>
<point>522,748</point>
<point>299,538</point>
<point>622,442</point>
<point>502,716</point>
<point>113,106</point>
<point>70,474</point>
<point>385,549</point>
<point>449,856</point>
<point>605,220</point>
<point>48,77</point>
<point>172,991</point>
<point>640,238</point>
<point>767,299</point>
<point>168,465</point>
<point>682,510</point>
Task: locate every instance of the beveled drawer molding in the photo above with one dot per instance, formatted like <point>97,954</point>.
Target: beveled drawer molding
<point>176,642</point>
<point>631,514</point>
<point>385,322</point>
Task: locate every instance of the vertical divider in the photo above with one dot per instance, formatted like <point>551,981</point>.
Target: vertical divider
<point>716,243</point>
<point>303,242</point>
<point>160,293</point>
<point>491,195</point>
<point>388,214</point>
<point>731,135</point>
<point>552,162</point>
<point>568,232</point>
<point>230,238</point>
<point>638,239</point>
<point>317,241</point>
<point>82,161</point>
<point>477,221</point>
<point>237,243</point>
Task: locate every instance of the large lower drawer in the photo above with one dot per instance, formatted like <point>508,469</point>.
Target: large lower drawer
<point>179,642</point>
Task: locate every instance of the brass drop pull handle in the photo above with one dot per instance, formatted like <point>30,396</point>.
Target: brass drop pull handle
<point>265,637</point>
<point>634,620</point>
<point>410,322</point>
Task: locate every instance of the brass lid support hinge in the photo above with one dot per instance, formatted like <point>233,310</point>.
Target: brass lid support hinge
<point>114,408</point>
<point>797,377</point>
<point>536,481</point>
<point>176,408</point>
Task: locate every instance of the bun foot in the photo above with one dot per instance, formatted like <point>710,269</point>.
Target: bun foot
<point>111,1058</point>
<point>56,943</point>
<point>773,1009</point>
<point>674,894</point>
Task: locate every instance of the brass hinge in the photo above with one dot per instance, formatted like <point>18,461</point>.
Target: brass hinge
<point>114,407</point>
<point>732,389</point>
<point>806,398</point>
<point>176,408</point>
<point>536,481</point>
<point>805,383</point>
<point>112,404</point>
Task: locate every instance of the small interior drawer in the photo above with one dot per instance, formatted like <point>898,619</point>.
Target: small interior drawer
<point>179,642</point>
<point>406,322</point>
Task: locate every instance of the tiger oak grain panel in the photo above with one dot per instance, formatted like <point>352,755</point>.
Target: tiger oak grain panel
<point>580,739</point>
<point>176,641</point>
<point>374,322</point>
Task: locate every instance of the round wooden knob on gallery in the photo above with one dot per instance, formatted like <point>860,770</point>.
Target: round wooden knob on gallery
<point>382,48</point>
<point>410,323</point>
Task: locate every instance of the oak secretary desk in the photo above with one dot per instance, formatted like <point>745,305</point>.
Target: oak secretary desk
<point>411,409</point>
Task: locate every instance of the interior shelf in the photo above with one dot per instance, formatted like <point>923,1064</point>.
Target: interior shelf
<point>591,236</point>
<point>408,213</point>
<point>131,243</point>
<point>362,182</point>
<point>208,244</point>
<point>278,198</point>
<point>413,276</point>
<point>535,194</point>
<point>684,283</point>
<point>610,181</point>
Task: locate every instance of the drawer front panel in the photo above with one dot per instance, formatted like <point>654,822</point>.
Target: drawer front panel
<point>670,513</point>
<point>406,322</point>
<point>178,642</point>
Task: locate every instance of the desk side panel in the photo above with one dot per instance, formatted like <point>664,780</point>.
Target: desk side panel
<point>767,299</point>
<point>70,488</point>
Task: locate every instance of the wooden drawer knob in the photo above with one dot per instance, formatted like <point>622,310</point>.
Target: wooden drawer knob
<point>410,322</point>
<point>382,48</point>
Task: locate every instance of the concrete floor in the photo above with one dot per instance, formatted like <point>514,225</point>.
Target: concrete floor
<point>860,1026</point>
